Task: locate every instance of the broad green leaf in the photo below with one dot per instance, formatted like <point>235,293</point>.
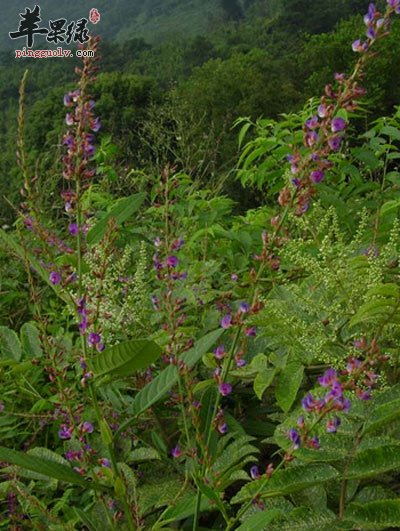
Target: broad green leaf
<point>120,213</point>
<point>167,378</point>
<point>289,382</point>
<point>286,481</point>
<point>30,340</point>
<point>124,359</point>
<point>260,520</point>
<point>10,346</point>
<point>47,468</point>
<point>382,514</point>
<point>374,461</point>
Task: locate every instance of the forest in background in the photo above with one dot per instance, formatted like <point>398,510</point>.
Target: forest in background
<point>178,99</point>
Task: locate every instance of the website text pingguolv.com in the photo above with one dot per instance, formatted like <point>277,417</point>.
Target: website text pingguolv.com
<point>45,54</point>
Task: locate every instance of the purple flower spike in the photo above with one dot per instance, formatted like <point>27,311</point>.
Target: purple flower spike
<point>225,389</point>
<point>338,124</point>
<point>226,321</point>
<point>172,261</point>
<point>55,278</point>
<point>65,432</point>
<point>94,339</point>
<point>254,472</point>
<point>317,176</point>
<point>87,427</point>
<point>176,452</point>
<point>294,436</point>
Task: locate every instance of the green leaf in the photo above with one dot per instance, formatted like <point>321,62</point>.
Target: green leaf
<point>263,380</point>
<point>385,409</point>
<point>181,510</point>
<point>391,132</point>
<point>120,213</point>
<point>286,481</point>
<point>143,454</point>
<point>25,256</point>
<point>304,519</point>
<point>382,514</point>
<point>289,382</point>
<point>125,358</point>
<point>374,461</point>
<point>30,340</point>
<point>10,346</point>
<point>47,468</point>
<point>86,519</point>
<point>167,378</point>
<point>259,520</point>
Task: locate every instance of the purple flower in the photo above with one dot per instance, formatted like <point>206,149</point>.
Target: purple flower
<point>67,99</point>
<point>312,123</point>
<point>251,332</point>
<point>94,339</point>
<point>353,364</point>
<point>334,143</point>
<point>338,124</point>
<point>95,125</point>
<point>322,110</point>
<point>369,17</point>
<point>105,462</point>
<point>244,307</point>
<point>87,427</point>
<point>65,432</point>
<point>240,362</point>
<point>177,244</point>
<point>332,425</point>
<point>328,379</point>
<point>317,176</point>
<point>100,347</point>
<point>69,120</point>
<point>364,395</point>
<point>222,427</point>
<point>55,278</point>
<point>234,277</point>
<point>172,261</point>
<point>311,138</point>
<point>314,442</point>
<point>226,321</point>
<point>358,46</point>
<point>225,389</point>
<point>219,352</point>
<point>294,436</point>
<point>301,421</point>
<point>296,182</point>
<point>176,452</point>
<point>254,472</point>
<point>73,229</point>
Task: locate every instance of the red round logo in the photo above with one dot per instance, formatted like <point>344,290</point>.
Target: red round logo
<point>94,16</point>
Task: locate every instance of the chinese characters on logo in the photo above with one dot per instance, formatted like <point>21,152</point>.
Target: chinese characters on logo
<point>59,31</point>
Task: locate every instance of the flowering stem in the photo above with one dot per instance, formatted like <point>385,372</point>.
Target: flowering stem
<point>209,427</point>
